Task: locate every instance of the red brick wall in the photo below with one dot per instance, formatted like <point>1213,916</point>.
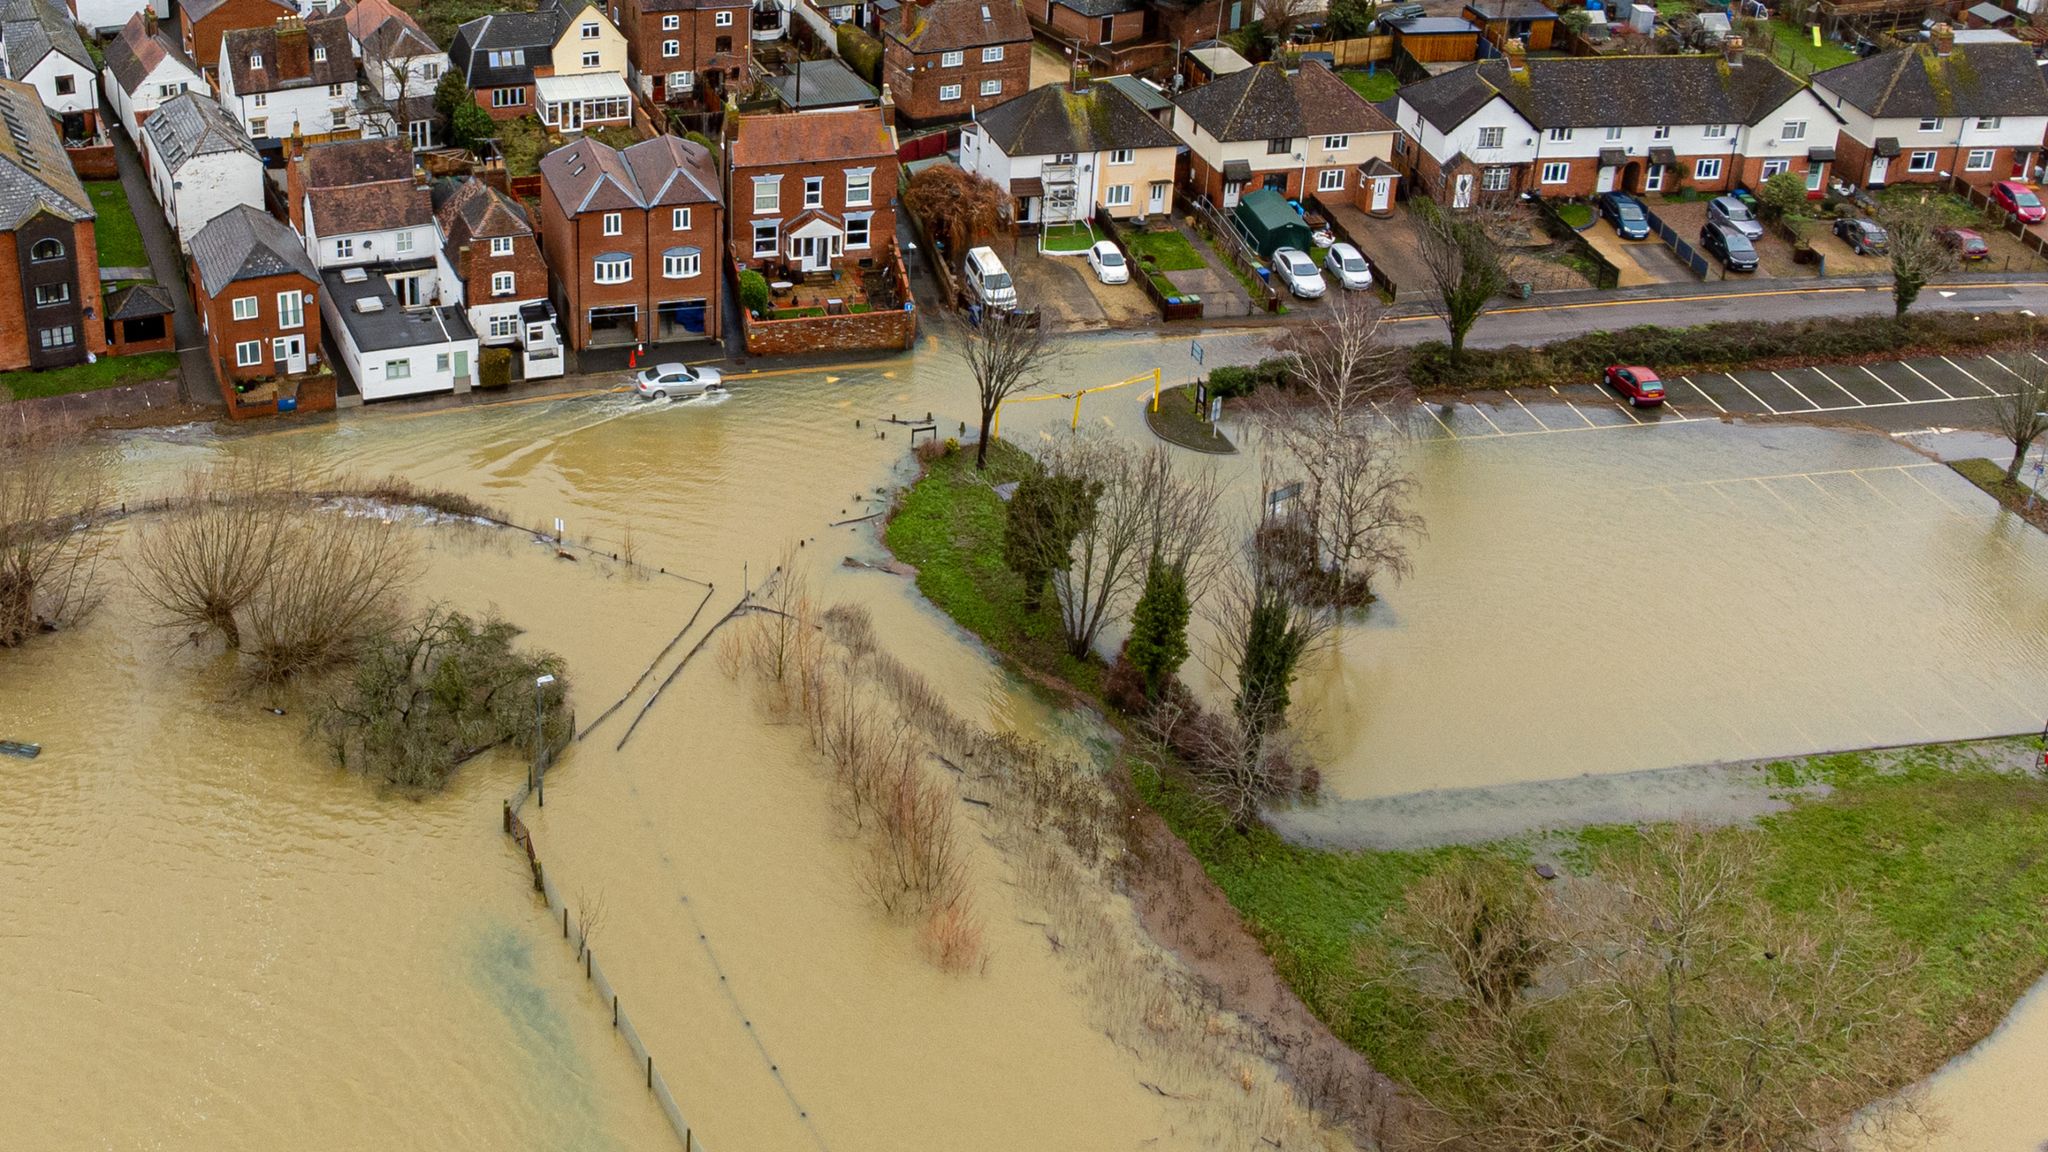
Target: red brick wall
<point>1192,25</point>
<point>881,228</point>
<point>15,328</point>
<point>475,265</point>
<point>514,112</point>
<point>1123,27</point>
<point>202,42</point>
<point>223,331</point>
<point>865,332</point>
<point>914,81</point>
<point>571,246</point>
<point>697,36</point>
<point>1208,181</point>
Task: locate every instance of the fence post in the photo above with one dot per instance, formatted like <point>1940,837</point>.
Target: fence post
<point>615,1010</point>
<point>565,921</point>
<point>650,1071</point>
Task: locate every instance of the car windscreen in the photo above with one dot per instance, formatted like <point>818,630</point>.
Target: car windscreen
<point>1737,242</point>
<point>2026,199</point>
<point>999,280</point>
<point>1110,259</point>
<point>1735,210</point>
<point>1301,265</point>
<point>1629,211</point>
<point>1354,264</point>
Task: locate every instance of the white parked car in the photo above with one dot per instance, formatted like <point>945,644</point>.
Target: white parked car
<point>1109,263</point>
<point>1298,272</point>
<point>1348,266</point>
<point>665,380</point>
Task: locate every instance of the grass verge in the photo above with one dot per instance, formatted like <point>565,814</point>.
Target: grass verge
<point>1576,215</point>
<point>1990,476</point>
<point>1373,86</point>
<point>1169,250</point>
<point>107,372</point>
<point>1179,421</point>
<point>115,231</point>
<point>1068,238</point>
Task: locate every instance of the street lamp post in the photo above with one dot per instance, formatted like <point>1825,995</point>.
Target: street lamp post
<point>538,780</point>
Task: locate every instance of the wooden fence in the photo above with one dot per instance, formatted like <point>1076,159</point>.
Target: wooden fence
<point>1390,290</point>
<point>1351,53</point>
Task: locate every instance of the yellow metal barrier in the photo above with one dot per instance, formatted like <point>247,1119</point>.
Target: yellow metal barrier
<point>995,427</point>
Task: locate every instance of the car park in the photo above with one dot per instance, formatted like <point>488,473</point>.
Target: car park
<point>1733,213</point>
<point>1863,235</point>
<point>665,380</point>
<point>2020,200</point>
<point>1967,242</point>
<point>1348,265</point>
<point>1728,243</point>
<point>1298,272</point>
<point>1108,262</point>
<point>1627,214</point>
<point>1636,382</point>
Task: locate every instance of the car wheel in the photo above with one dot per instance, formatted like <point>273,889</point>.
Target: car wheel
<point>659,395</point>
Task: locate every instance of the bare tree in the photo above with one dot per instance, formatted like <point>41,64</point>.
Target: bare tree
<point>1916,249</point>
<point>1463,261</point>
<point>2023,416</point>
<point>49,549</point>
<point>1008,354</point>
<point>203,563</point>
<point>1235,768</point>
<point>590,917</point>
<point>393,59</point>
<point>335,586</point>
<point>783,625</point>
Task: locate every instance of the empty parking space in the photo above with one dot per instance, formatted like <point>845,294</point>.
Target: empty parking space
<point>1960,381</point>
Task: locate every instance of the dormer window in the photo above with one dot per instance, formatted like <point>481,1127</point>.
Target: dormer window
<point>319,52</point>
<point>47,249</point>
<point>255,59</point>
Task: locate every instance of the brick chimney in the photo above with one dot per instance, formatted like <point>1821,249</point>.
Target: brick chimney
<point>1518,56</point>
<point>1733,48</point>
<point>1943,38</point>
<point>148,21</point>
<point>908,10</point>
<point>1077,74</point>
<point>294,54</point>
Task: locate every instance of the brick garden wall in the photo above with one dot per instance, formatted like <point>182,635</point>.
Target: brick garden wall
<point>95,162</point>
<point>890,331</point>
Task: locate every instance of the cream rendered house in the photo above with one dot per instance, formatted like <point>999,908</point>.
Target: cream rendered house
<point>589,81</point>
<point>1062,151</point>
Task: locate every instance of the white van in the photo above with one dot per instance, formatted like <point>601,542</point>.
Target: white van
<point>987,281</point>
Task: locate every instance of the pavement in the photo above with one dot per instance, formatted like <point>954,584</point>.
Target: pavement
<point>199,385</point>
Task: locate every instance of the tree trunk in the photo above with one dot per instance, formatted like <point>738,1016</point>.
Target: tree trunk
<point>988,416</point>
<point>2019,457</point>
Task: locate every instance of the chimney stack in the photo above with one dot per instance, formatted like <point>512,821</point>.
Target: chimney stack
<point>1733,48</point>
<point>909,11</point>
<point>294,54</point>
<point>148,21</point>
<point>1518,56</point>
<point>1944,38</point>
<point>1077,74</point>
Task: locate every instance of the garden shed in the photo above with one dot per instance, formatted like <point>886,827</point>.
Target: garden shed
<point>1267,221</point>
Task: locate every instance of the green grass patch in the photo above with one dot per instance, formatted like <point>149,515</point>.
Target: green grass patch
<point>795,313</point>
<point>1576,215</point>
<point>1180,421</point>
<point>1373,86</point>
<point>1989,475</point>
<point>1169,250</point>
<point>1068,238</point>
<point>107,372</point>
<point>1955,211</point>
<point>522,141</point>
<point>1792,45</point>
<point>115,231</point>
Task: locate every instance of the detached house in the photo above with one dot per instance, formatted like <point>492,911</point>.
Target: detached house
<point>632,239</point>
<point>676,45</point>
<point>40,46</point>
<point>200,163</point>
<point>494,255</point>
<point>1300,133</point>
<point>202,23</point>
<point>145,67</point>
<point>564,60</point>
<point>950,59</point>
<point>50,314</point>
<point>258,298</point>
<point>401,68</point>
<point>1582,125</point>
<point>1062,152</point>
<point>812,190</point>
<point>296,77</point>
<point>1924,112</point>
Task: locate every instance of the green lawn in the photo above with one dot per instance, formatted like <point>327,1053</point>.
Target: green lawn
<point>1576,215</point>
<point>1169,250</point>
<point>1069,238</point>
<point>119,237</point>
<point>108,372</point>
<point>1374,86</point>
<point>1796,52</point>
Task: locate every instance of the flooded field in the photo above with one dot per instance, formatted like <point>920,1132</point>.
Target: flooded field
<point>1989,1099</point>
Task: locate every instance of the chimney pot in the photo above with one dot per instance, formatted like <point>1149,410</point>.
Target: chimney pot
<point>1944,38</point>
<point>1733,47</point>
<point>1518,55</point>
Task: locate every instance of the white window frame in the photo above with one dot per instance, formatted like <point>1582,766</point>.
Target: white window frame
<point>1715,131</point>
<point>1492,136</point>
<point>860,187</point>
<point>767,195</point>
<point>1614,132</point>
<point>1122,156</point>
<point>679,220</point>
<point>1914,160</point>
<point>504,324</point>
<point>1707,168</point>
<point>991,87</point>
<point>671,22</point>
<point>1336,143</point>
<point>400,369</point>
<point>1653,178</point>
<point>255,59</point>
<point>1557,172</point>
<point>767,238</point>
<point>501,245</point>
<point>612,271</point>
<point>682,267</point>
<point>992,55</point>
<point>248,353</point>
<point>1558,135</point>
<point>1117,196</point>
<point>1793,130</point>
<point>259,126</point>
<point>952,59</point>
<point>614,224</point>
<point>1774,167</point>
<point>948,93</point>
<point>1930,123</point>
<point>591,59</point>
<point>867,226</point>
<point>1971,164</point>
<point>722,20</point>
<point>1661,132</point>
<point>1989,123</point>
<point>671,48</point>
<point>589,31</point>
<point>504,284</point>
<point>1325,183</point>
<point>403,240</point>
<point>1495,178</point>
<point>291,309</point>
<point>814,191</point>
<point>345,248</point>
<point>246,308</point>
<point>508,97</point>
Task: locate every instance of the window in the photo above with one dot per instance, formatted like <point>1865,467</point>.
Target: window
<point>62,336</point>
<point>679,220</point>
<point>948,92</point>
<point>682,81</point>
<point>1492,137</point>
<point>430,71</point>
<point>344,248</point>
<point>1920,162</point>
<point>671,48</point>
<point>1707,169</point>
<point>66,85</point>
<point>991,55</point>
<point>341,117</point>
<point>856,232</point>
<point>814,191</point>
<point>1494,180</point>
<point>1279,147</point>
<point>503,284</point>
<point>48,294</point>
<point>1661,132</point>
<point>166,91</point>
<point>1614,132</point>
<point>1715,131</point>
<point>291,309</point>
<point>334,91</point>
<point>860,186</point>
<point>319,51</point>
<point>951,59</point>
<point>259,100</point>
<point>1122,156</point>
<point>1336,143</point>
<point>47,249</point>
<point>589,30</point>
<point>1556,172</point>
<point>1793,130</point>
<point>590,59</point>
<point>722,44</point>
<point>722,19</point>
<point>765,238</point>
<point>507,97</point>
<point>1558,135</point>
<point>614,268</point>
<point>681,263</point>
<point>671,23</point>
<point>1930,123</point>
<point>614,224</point>
<point>245,308</point>
<point>255,59</point>
<point>1773,167</point>
<point>248,353</point>
<point>508,59</point>
<point>398,369</point>
<point>440,361</point>
<point>504,326</point>
<point>1653,180</point>
<point>991,87</point>
<point>501,245</point>
<point>1979,160</point>
<point>1989,123</point>
<point>1330,180</point>
<point>768,191</point>
<point>1119,196</point>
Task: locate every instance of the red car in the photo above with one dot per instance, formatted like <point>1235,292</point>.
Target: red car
<point>1967,243</point>
<point>2019,200</point>
<point>1639,384</point>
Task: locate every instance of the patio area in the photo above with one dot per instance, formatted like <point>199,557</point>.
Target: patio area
<point>843,291</point>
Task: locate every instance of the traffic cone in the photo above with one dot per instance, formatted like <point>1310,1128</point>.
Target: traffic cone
<point>633,357</point>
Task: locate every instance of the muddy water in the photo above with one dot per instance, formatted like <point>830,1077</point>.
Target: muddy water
<point>1990,1099</point>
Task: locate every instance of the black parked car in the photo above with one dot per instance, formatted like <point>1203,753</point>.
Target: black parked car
<point>1728,243</point>
<point>1862,235</point>
<point>1627,214</point>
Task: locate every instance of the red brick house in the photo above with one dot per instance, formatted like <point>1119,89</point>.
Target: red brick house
<point>1300,133</point>
<point>1093,21</point>
<point>631,239</point>
<point>812,191</point>
<point>202,23</point>
<point>946,60</point>
<point>258,296</point>
<point>50,312</point>
<point>495,253</point>
<point>676,46</point>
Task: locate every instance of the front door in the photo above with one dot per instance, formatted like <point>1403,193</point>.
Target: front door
<point>1461,193</point>
<point>290,354</point>
<point>1232,189</point>
<point>1606,179</point>
<point>573,111</point>
<point>1382,192</point>
<point>462,363</point>
<point>1878,165</point>
<point>1815,175</point>
<point>1157,204</point>
<point>1653,178</point>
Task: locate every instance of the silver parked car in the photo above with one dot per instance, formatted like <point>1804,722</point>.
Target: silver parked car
<point>1348,265</point>
<point>665,380</point>
<point>1733,213</point>
<point>1109,263</point>
<point>1298,272</point>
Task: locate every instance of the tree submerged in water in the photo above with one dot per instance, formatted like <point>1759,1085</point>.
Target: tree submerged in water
<point>437,692</point>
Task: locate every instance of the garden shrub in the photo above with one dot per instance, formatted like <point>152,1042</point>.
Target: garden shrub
<point>753,291</point>
<point>494,367</point>
<point>862,53</point>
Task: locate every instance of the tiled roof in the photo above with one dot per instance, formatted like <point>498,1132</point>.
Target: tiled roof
<point>1050,120</point>
<point>1605,91</point>
<point>1449,99</point>
<point>197,10</point>
<point>137,301</point>
<point>364,186</point>
<point>189,125</point>
<point>1911,82</point>
<point>469,209</point>
<point>956,25</point>
<point>134,54</point>
<point>799,137</point>
<point>345,162</point>
<point>1266,103</point>
<point>245,243</point>
<point>386,32</point>
<point>337,65</point>
<point>34,171</point>
<point>529,32</point>
<point>32,29</point>
<point>589,176</point>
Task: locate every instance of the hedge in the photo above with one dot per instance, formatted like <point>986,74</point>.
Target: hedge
<point>862,53</point>
<point>1716,348</point>
<point>1232,381</point>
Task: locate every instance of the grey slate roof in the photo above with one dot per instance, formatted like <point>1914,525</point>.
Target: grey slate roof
<point>530,32</point>
<point>1976,80</point>
<point>826,83</point>
<point>1099,8</point>
<point>1450,98</point>
<point>390,326</point>
<point>1266,103</point>
<point>32,29</point>
<point>245,243</point>
<point>137,301</point>
<point>1604,91</point>
<point>134,54</point>
<point>1050,120</point>
<point>189,125</point>
<point>35,174</point>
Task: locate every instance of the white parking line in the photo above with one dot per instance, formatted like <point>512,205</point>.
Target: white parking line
<point>1887,385</point>
<point>1923,376</point>
<point>1858,474</point>
<point>1774,494</point>
<point>2001,364</point>
<point>1844,391</point>
<point>1710,399</point>
<point>1752,395</point>
<point>1972,375</point>
<point>1945,502</point>
<point>1525,410</point>
<point>1489,420</point>
<point>1627,409</point>
<point>1796,391</point>
<point>1431,409</point>
<point>1579,414</point>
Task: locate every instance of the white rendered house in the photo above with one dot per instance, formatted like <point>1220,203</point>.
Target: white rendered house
<point>200,163</point>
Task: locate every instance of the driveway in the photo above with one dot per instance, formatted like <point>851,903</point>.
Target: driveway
<point>1058,286</point>
<point>199,384</point>
<point>1774,252</point>
<point>1639,261</point>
